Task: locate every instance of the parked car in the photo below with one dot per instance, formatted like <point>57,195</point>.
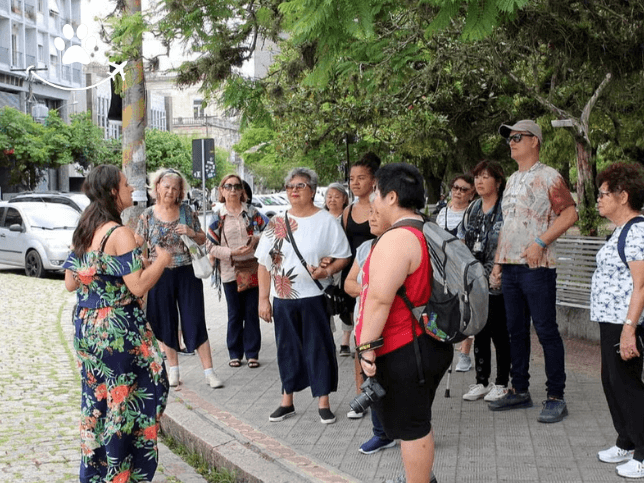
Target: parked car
<point>270,205</point>
<point>36,235</point>
<point>78,201</point>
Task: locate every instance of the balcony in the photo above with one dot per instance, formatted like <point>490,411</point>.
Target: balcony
<point>16,6</point>
<point>30,12</point>
<point>17,59</point>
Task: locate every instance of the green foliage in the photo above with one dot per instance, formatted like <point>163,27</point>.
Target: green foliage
<point>27,147</point>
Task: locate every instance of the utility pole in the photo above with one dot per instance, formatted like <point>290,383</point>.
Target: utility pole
<point>134,123</point>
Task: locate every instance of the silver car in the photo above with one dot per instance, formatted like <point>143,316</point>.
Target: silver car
<point>36,236</point>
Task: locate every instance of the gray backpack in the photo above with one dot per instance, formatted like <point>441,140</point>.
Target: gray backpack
<point>458,305</point>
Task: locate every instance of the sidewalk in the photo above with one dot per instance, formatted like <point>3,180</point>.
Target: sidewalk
<point>40,387</point>
<point>39,390</point>
<point>473,444</point>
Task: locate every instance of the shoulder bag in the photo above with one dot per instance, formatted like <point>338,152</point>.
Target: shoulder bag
<point>245,270</point>
<point>198,253</point>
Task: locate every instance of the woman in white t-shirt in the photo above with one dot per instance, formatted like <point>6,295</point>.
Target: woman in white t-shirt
<point>295,279</point>
<point>616,302</point>
<point>462,188</point>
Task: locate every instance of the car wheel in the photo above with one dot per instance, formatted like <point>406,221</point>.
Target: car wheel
<point>33,265</point>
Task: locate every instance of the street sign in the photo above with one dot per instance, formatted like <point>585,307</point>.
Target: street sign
<point>203,158</point>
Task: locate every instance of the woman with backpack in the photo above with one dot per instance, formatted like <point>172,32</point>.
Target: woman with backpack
<point>480,231</point>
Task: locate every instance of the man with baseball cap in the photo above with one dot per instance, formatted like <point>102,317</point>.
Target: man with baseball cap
<point>537,209</point>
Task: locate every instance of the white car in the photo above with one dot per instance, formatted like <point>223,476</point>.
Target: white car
<point>270,205</point>
<point>36,236</point>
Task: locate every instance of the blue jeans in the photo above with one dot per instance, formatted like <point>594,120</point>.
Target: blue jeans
<point>244,335</point>
<point>535,289</point>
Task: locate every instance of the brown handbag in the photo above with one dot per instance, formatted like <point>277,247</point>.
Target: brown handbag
<point>246,274</point>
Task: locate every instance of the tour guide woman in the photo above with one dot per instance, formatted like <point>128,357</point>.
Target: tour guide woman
<point>124,384</point>
<point>305,347</point>
<point>616,302</point>
<point>405,410</point>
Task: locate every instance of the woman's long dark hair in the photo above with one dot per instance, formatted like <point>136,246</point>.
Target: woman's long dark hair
<point>103,205</point>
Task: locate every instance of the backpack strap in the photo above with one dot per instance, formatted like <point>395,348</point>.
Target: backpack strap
<point>621,241</point>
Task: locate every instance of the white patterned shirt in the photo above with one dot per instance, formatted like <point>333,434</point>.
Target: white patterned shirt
<point>612,284</point>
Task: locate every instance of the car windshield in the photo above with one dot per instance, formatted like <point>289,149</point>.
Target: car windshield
<point>51,216</point>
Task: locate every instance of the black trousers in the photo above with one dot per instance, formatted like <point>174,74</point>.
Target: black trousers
<point>624,389</point>
<point>495,330</point>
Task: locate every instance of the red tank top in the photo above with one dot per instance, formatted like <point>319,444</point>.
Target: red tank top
<point>397,330</point>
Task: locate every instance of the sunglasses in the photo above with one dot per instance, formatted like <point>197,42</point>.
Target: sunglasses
<point>462,189</point>
<point>296,186</point>
<point>518,137</point>
<point>231,187</point>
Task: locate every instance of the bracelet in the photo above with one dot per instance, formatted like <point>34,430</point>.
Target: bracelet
<point>368,346</point>
<point>540,242</point>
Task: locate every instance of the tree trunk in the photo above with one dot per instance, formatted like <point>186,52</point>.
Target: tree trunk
<point>134,123</point>
<point>586,196</point>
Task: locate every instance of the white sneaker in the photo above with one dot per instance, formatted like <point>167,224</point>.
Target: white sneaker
<point>354,415</point>
<point>173,378</point>
<point>631,469</point>
<point>615,455</point>
<point>212,380</point>
<point>464,363</point>
<point>477,391</point>
<point>496,393</point>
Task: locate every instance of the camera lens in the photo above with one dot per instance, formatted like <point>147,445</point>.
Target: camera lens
<point>360,403</point>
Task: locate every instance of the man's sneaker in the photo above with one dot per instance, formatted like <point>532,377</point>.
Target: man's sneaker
<point>281,413</point>
<point>512,400</point>
<point>496,393</point>
<point>631,469</point>
<point>464,363</point>
<point>375,444</point>
<point>355,415</point>
<point>554,410</point>
<point>615,455</point>
<point>326,416</point>
<point>477,391</point>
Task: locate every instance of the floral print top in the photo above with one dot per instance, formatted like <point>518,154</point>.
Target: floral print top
<point>532,200</point>
<point>612,284</point>
<point>317,236</point>
<point>163,233</point>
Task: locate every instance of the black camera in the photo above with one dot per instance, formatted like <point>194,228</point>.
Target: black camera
<point>372,391</point>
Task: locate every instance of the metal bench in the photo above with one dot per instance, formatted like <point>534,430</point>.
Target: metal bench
<point>575,268</point>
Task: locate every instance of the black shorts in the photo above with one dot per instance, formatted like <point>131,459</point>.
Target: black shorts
<point>406,409</point>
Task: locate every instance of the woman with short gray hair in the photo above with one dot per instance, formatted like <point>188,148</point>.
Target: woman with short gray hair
<point>289,254</point>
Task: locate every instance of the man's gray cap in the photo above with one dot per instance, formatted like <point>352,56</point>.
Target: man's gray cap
<point>525,125</point>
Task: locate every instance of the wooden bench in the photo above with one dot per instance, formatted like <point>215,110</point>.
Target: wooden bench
<point>575,268</point>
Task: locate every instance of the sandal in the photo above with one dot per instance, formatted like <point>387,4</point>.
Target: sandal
<point>234,363</point>
<point>253,364</point>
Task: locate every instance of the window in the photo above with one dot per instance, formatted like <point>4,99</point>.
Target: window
<point>41,53</point>
<point>197,108</point>
<point>12,218</point>
<point>40,6</point>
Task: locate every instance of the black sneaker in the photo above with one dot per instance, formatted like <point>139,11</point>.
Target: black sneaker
<point>512,400</point>
<point>554,410</point>
<point>281,413</point>
<point>326,416</point>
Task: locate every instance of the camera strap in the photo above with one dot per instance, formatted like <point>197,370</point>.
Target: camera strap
<point>369,346</point>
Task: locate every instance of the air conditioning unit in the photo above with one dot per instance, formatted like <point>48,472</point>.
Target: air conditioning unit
<point>39,112</point>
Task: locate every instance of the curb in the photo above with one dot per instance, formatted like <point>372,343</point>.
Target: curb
<point>224,441</point>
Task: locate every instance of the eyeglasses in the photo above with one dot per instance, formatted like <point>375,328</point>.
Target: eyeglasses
<point>231,187</point>
<point>518,137</point>
<point>601,194</point>
<point>296,186</point>
<point>462,189</point>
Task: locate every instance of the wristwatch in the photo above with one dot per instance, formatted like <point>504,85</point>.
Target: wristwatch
<point>630,322</point>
